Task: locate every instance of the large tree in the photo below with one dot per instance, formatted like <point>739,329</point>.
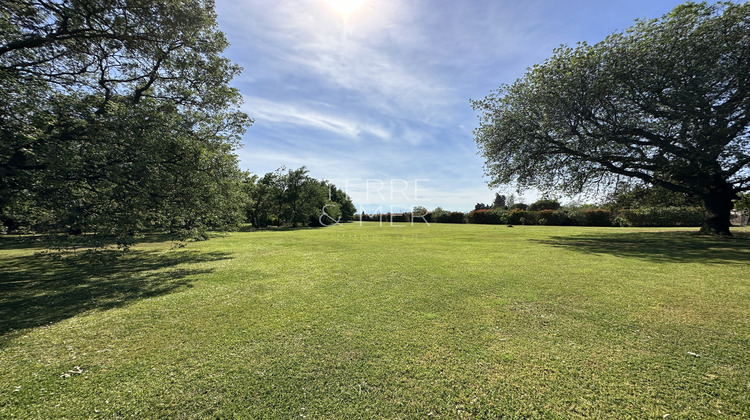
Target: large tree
<point>664,103</point>
<point>117,117</point>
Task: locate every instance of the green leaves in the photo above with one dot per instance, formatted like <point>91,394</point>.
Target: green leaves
<point>291,197</point>
<point>121,120</point>
<point>665,102</point>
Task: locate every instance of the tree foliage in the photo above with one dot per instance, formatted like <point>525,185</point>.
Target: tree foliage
<point>500,201</point>
<point>665,103</point>
<point>544,204</point>
<point>639,195</point>
<point>482,206</point>
<point>117,118</point>
<point>293,198</point>
<point>742,203</point>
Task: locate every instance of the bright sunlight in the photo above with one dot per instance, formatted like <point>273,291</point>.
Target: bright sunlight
<point>345,7</point>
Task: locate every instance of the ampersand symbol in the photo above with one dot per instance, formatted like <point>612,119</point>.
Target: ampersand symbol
<point>320,219</point>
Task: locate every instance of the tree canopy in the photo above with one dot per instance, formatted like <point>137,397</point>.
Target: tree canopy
<point>638,196</point>
<point>117,117</point>
<point>544,204</point>
<point>292,197</point>
<point>664,103</point>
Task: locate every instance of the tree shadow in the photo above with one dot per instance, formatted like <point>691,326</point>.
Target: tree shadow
<point>281,228</point>
<point>8,242</point>
<point>660,246</point>
<point>41,289</point>
<point>18,242</point>
<point>95,242</point>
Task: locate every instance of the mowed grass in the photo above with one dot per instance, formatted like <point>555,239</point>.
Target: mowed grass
<point>371,321</point>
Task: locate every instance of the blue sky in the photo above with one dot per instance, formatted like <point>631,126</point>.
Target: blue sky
<point>377,101</point>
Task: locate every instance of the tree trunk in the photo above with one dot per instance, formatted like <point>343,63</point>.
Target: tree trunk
<point>718,205</point>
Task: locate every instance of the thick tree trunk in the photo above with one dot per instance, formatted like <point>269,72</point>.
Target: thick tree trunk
<point>718,205</point>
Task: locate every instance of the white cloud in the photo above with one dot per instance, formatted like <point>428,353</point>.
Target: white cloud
<point>264,111</point>
<point>385,92</point>
<point>373,55</point>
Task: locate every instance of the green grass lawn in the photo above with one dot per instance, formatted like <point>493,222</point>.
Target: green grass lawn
<point>439,321</point>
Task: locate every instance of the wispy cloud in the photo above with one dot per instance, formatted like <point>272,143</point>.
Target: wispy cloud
<point>265,111</point>
<point>384,94</point>
<point>372,59</point>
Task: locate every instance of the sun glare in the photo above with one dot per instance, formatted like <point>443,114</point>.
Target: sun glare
<point>345,7</point>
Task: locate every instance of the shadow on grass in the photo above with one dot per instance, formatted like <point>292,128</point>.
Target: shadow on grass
<point>41,289</point>
<point>85,241</point>
<point>8,242</point>
<point>279,228</point>
<point>18,242</point>
<point>660,247</point>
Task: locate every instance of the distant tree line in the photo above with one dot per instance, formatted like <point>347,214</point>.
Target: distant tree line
<point>633,205</point>
<point>291,197</point>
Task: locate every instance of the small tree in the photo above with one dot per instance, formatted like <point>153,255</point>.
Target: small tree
<point>499,202</point>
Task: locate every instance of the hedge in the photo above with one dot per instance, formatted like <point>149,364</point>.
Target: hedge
<point>555,218</point>
<point>485,217</point>
<point>644,217</point>
<point>523,217</point>
<point>661,217</point>
<point>596,217</point>
<point>451,217</point>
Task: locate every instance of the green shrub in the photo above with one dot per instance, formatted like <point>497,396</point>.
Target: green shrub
<point>523,217</point>
<point>448,217</point>
<point>556,217</point>
<point>596,217</point>
<point>457,217</point>
<point>485,216</point>
<point>478,216</point>
<point>663,216</point>
<point>422,218</point>
<point>398,218</point>
<point>620,221</point>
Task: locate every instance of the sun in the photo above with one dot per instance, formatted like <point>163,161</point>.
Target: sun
<point>345,7</point>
